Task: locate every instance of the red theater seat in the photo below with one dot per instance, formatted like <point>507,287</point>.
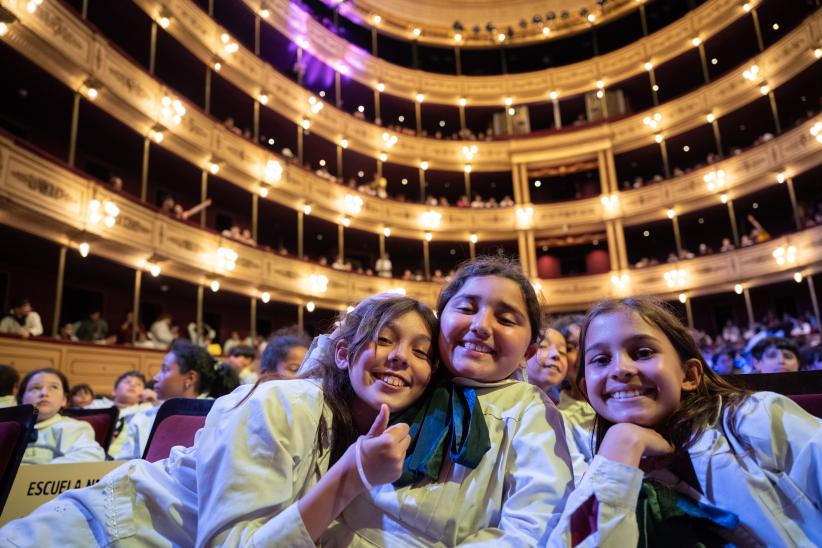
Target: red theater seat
<point>16,424</point>
<point>178,420</point>
<point>812,403</point>
<point>102,420</point>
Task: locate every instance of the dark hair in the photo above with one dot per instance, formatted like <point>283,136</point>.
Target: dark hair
<point>213,378</point>
<point>244,351</point>
<point>126,375</point>
<point>504,267</point>
<point>358,328</point>
<point>19,301</point>
<point>25,382</point>
<point>9,377</point>
<point>698,408</point>
<point>277,349</point>
<point>778,342</point>
<point>563,323</point>
<point>77,388</point>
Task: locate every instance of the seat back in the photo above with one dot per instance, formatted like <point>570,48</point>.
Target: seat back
<point>177,421</point>
<point>812,403</point>
<point>102,421</point>
<point>16,426</point>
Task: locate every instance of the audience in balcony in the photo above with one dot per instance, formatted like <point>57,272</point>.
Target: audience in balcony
<point>162,332</point>
<point>124,335</point>
<point>93,328</point>
<point>383,266</point>
<point>66,332</point>
<point>241,235</point>
<point>22,320</point>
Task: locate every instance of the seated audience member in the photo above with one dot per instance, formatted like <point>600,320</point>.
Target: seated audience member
<point>128,389</point>
<point>577,414</point>
<point>232,341</point>
<point>59,439</point>
<point>67,332</point>
<point>188,371</point>
<point>92,329</point>
<point>241,360</point>
<point>775,355</point>
<point>81,396</point>
<point>22,320</point>
<point>548,366</point>
<point>204,337</point>
<point>384,267</point>
<point>722,362</point>
<point>124,335</point>
<point>161,332</point>
<point>283,355</point>
<point>9,379</point>
<point>813,359</point>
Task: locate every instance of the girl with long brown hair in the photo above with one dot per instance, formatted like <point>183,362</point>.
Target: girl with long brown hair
<point>681,455</point>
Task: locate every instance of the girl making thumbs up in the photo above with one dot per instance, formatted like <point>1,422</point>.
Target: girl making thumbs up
<point>275,463</point>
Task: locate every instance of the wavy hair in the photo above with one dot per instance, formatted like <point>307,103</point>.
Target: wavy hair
<point>698,409</point>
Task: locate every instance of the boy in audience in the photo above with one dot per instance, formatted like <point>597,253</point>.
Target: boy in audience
<point>9,379</point>
<point>81,396</point>
<point>775,355</point>
<point>127,392</point>
<point>240,360</point>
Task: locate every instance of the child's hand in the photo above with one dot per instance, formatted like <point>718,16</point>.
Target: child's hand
<point>147,395</point>
<point>628,443</point>
<point>383,449</point>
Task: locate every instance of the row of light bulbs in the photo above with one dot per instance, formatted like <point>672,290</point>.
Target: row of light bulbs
<point>230,47</point>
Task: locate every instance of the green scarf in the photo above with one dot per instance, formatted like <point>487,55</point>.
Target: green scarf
<point>669,518</point>
<point>448,418</point>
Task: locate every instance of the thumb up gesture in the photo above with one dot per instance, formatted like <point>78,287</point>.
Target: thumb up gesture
<point>381,452</point>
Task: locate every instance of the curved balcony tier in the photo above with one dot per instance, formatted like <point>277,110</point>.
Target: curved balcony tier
<point>93,56</point>
<point>54,202</point>
<point>703,22</point>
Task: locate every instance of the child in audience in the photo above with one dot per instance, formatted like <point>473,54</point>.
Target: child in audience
<point>548,366</point>
<point>283,355</point>
<point>81,396</point>
<point>59,439</point>
<point>547,369</point>
<point>128,389</point>
<point>188,371</point>
<point>775,355</point>
<point>577,413</point>
<point>681,451</point>
<point>9,379</point>
<point>488,462</point>
<point>275,462</point>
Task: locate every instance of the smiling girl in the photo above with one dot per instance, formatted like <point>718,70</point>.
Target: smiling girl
<point>488,463</point>
<point>59,439</point>
<point>275,462</point>
<point>731,465</point>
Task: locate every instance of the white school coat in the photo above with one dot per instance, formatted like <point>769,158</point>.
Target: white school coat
<point>237,486</point>
<point>513,498</point>
<point>62,440</point>
<point>125,415</point>
<point>578,417</point>
<point>8,401</point>
<point>769,474</point>
<point>135,436</point>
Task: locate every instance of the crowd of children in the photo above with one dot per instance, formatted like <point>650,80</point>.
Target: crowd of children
<point>406,427</point>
